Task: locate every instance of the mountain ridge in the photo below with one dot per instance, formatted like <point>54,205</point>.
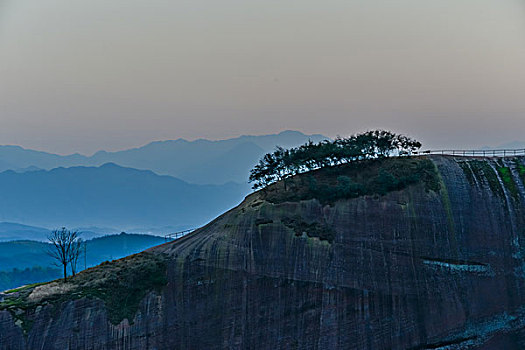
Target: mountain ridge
<point>187,160</point>
<point>111,195</point>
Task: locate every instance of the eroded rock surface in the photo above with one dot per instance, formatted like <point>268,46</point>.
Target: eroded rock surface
<point>414,269</point>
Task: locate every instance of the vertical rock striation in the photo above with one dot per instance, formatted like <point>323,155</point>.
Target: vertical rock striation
<point>413,269</point>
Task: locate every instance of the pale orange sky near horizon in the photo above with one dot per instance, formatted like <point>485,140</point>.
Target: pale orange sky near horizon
<point>80,76</point>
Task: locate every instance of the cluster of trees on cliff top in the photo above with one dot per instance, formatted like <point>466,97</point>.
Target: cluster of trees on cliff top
<point>284,163</point>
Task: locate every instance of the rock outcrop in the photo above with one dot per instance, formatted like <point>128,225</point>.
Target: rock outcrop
<point>416,268</point>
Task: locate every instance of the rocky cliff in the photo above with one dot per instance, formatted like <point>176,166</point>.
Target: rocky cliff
<point>434,262</point>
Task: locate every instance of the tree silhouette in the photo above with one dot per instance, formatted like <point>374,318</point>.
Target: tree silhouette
<point>284,163</point>
<point>65,249</point>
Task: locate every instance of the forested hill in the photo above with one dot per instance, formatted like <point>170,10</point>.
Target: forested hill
<point>24,262</point>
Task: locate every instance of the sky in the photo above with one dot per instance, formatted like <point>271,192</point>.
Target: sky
<point>80,76</point>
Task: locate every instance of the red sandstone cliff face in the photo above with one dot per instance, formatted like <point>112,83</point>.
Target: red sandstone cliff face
<point>414,269</point>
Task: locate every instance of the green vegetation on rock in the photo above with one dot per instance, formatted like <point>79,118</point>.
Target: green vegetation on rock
<point>120,284</point>
<point>468,172</point>
<point>521,170</point>
<point>508,181</point>
<point>26,287</point>
<point>314,229</point>
<point>18,258</point>
<point>481,171</point>
<point>20,277</point>
<point>123,283</point>
<point>370,177</point>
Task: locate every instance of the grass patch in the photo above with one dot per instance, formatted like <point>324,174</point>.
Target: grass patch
<point>482,170</point>
<point>521,170</point>
<point>468,172</point>
<point>123,283</point>
<point>29,286</point>
<point>9,303</point>
<point>123,293</point>
<point>371,177</point>
<point>15,301</point>
<point>120,284</point>
<point>506,176</point>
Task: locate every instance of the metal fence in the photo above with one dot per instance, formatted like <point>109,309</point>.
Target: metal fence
<point>476,153</point>
<point>176,235</point>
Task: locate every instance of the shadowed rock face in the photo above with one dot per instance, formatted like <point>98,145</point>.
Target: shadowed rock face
<point>414,269</point>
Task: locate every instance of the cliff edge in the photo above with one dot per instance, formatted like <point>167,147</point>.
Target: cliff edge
<point>413,253</point>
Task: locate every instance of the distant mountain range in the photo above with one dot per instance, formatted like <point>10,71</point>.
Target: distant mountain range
<point>111,196</point>
<point>11,231</point>
<point>23,254</point>
<point>199,162</point>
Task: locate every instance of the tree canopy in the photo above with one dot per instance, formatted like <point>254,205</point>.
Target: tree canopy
<point>284,163</point>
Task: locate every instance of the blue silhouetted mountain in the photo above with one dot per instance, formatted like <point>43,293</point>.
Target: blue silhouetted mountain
<point>10,231</point>
<point>200,161</point>
<point>111,196</point>
<point>18,158</point>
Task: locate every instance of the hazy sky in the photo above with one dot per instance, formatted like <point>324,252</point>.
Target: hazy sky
<point>79,76</point>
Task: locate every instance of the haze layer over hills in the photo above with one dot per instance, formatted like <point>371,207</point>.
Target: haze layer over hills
<point>112,196</point>
<point>200,161</point>
<point>106,189</point>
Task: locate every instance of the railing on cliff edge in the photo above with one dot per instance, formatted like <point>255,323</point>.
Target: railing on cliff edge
<point>464,153</point>
<point>475,153</point>
<point>176,235</point>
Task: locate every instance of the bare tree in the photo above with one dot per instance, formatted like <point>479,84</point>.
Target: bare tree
<point>76,251</point>
<point>66,248</point>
